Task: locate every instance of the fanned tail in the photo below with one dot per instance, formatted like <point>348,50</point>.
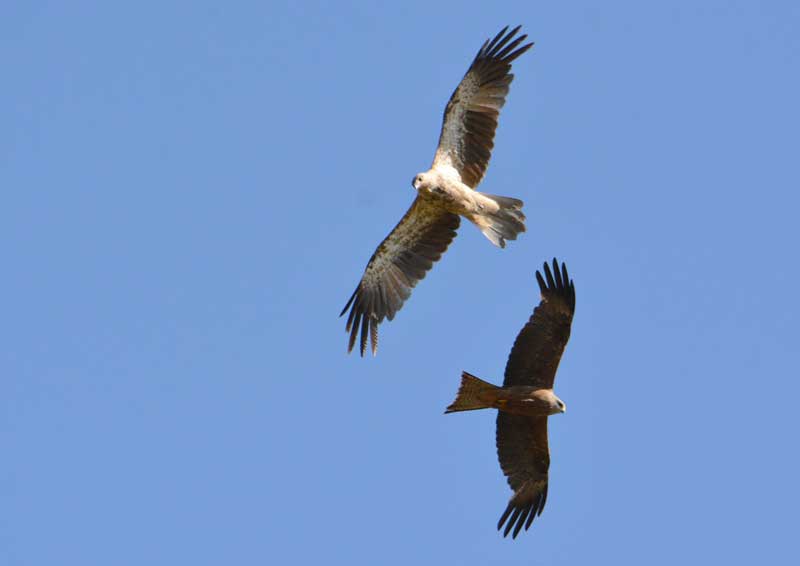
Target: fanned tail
<point>506,223</point>
<point>474,393</point>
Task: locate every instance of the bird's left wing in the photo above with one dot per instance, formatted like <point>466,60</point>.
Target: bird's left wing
<point>539,345</point>
<point>470,118</point>
<point>402,259</point>
<point>525,458</point>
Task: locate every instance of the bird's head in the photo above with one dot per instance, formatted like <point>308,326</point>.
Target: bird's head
<point>559,406</point>
<point>418,181</point>
<point>549,402</point>
<point>546,402</point>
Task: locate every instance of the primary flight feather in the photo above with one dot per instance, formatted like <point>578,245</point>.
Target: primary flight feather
<point>444,193</point>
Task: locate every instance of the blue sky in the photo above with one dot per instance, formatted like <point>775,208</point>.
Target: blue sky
<point>190,193</point>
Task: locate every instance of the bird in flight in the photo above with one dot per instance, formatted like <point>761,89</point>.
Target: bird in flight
<point>526,398</point>
<point>445,192</point>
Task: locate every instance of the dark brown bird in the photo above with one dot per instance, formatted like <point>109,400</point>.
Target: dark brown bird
<point>444,193</point>
<point>526,398</point>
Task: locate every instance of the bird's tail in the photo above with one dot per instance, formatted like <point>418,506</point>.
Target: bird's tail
<point>504,224</point>
<point>474,393</point>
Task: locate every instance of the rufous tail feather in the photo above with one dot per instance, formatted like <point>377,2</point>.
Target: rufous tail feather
<point>473,394</point>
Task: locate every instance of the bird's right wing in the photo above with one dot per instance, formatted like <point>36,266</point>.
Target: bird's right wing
<point>537,350</point>
<point>525,458</point>
<point>402,259</point>
<point>470,118</point>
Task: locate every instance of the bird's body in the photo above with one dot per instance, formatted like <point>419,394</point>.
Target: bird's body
<point>446,190</point>
<point>449,193</point>
<point>445,193</point>
<point>526,398</point>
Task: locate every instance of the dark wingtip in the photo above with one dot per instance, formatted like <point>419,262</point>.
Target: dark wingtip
<point>565,285</point>
<point>349,302</point>
<point>517,517</point>
<point>504,516</point>
<point>549,276</point>
<point>361,324</point>
<point>512,521</point>
<point>353,330</point>
<point>503,48</point>
<point>497,37</point>
<point>540,280</point>
<point>557,275</point>
<point>524,48</point>
<point>521,521</point>
<point>506,51</point>
<point>492,47</point>
<point>532,516</point>
<point>557,278</point>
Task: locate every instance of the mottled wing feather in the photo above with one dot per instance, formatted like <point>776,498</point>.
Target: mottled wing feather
<point>401,260</point>
<point>470,118</point>
<point>525,458</point>
<point>537,350</point>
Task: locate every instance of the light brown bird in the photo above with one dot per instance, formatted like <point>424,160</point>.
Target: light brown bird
<point>526,398</point>
<point>444,193</point>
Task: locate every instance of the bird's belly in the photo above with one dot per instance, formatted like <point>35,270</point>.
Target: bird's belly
<point>455,200</point>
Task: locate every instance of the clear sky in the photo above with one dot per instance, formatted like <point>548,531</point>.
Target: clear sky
<point>191,190</point>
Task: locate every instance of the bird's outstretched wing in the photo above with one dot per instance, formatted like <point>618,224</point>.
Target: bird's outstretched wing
<point>537,350</point>
<point>522,441</point>
<point>402,259</point>
<point>470,118</point>
<point>525,458</point>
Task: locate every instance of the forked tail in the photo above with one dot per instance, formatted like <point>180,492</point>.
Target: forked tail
<point>474,393</point>
<point>506,223</point>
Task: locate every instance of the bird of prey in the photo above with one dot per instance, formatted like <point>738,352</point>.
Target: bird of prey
<point>526,398</point>
<point>445,192</point>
